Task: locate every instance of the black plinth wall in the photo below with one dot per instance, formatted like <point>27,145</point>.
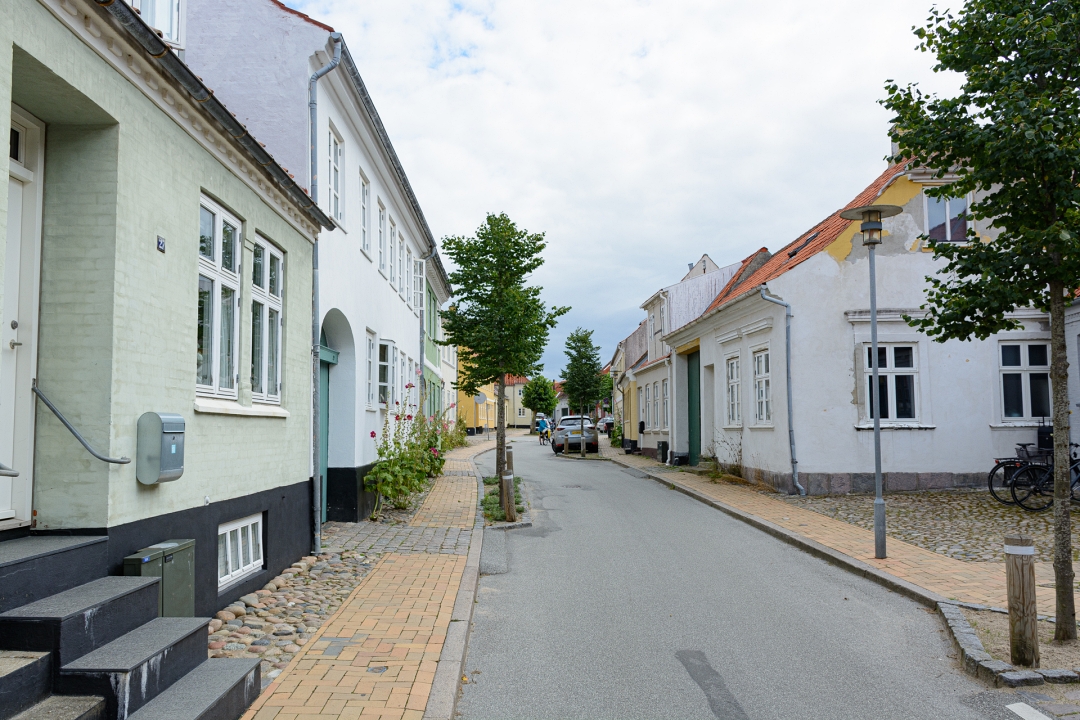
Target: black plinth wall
<point>346,498</point>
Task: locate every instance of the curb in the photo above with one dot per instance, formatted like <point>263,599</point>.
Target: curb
<point>823,552</point>
<point>444,688</point>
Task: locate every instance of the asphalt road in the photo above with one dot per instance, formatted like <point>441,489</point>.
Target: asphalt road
<point>629,600</point>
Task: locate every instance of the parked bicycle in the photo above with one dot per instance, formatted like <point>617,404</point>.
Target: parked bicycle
<point>1032,485</point>
<point>1000,479</point>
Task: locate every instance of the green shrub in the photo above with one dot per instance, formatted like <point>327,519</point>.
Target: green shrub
<point>493,511</point>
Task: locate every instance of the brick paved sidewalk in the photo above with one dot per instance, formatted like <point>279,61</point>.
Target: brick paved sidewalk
<point>975,582</point>
<point>377,656</point>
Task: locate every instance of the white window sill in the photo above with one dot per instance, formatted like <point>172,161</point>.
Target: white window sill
<point>898,426</point>
<point>215,406</point>
<point>1017,424</point>
<point>732,427</point>
<point>367,254</point>
<point>768,426</point>
<point>239,579</point>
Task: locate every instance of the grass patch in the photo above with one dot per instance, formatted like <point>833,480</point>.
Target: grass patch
<point>493,512</point>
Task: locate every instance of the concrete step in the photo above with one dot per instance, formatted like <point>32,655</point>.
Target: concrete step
<point>32,568</point>
<point>25,678</point>
<point>77,621</point>
<point>219,689</point>
<point>66,707</point>
<point>135,668</point>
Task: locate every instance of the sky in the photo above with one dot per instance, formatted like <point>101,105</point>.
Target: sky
<point>636,135</point>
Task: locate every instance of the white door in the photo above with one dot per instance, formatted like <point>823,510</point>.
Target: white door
<point>18,332</point>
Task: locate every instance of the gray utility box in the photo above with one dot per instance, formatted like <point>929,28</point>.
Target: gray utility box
<point>160,453</point>
<point>174,562</point>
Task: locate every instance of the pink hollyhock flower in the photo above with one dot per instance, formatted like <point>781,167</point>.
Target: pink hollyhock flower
<point>408,417</point>
<point>397,417</point>
<point>434,452</point>
<point>372,433</point>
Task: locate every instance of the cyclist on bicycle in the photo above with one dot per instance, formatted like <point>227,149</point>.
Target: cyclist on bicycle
<point>542,428</point>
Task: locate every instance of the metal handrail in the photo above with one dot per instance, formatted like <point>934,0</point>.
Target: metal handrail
<point>69,426</point>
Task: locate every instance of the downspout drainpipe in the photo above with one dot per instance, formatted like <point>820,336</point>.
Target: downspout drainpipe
<point>316,391</point>
<point>790,416</point>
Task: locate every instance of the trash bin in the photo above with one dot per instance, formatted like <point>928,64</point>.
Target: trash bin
<point>174,562</point>
<point>680,458</point>
<point>1045,437</point>
<point>661,451</point>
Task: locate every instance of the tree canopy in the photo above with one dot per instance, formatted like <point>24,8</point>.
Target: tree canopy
<point>1010,140</point>
<point>581,377</point>
<point>539,396</point>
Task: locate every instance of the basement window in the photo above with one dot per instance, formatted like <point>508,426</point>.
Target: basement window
<point>240,549</point>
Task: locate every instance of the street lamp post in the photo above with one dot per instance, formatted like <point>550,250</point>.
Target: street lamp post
<point>871,216</point>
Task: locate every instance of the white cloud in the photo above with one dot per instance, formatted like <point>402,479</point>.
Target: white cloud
<point>636,134</point>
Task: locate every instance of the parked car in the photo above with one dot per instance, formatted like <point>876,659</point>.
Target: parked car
<point>605,424</point>
<point>569,433</point>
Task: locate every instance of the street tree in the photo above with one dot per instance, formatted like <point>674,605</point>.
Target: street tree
<point>539,396</point>
<point>1011,139</point>
<point>498,322</point>
<point>582,381</point>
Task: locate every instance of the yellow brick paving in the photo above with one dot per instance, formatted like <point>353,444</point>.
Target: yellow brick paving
<point>975,582</point>
<point>376,656</point>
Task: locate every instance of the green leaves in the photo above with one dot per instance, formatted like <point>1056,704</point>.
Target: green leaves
<point>539,396</point>
<point>1012,137</point>
<point>499,323</point>
<point>582,381</point>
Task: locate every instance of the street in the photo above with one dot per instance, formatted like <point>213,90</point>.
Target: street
<point>629,600</point>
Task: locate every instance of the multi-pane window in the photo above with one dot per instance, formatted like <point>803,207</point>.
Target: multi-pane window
<point>365,202</point>
<point>656,405</point>
<point>408,280</point>
<point>370,369</point>
<point>164,16</point>
<point>386,373</point>
<point>641,408</point>
<point>897,367</point>
<point>521,412</point>
<point>267,283</point>
<point>734,393</point>
<point>946,219</point>
<point>240,551</point>
<point>393,253</point>
<point>382,238</point>
<point>418,288</point>
<point>648,401</point>
<point>1025,380</point>
<point>218,331</point>
<point>665,415</point>
<point>403,279</point>
<point>762,387</point>
<point>335,176</point>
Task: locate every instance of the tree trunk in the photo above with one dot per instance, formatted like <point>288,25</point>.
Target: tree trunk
<point>500,434</point>
<point>1065,625</point>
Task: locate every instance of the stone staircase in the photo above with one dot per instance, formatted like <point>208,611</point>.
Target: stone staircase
<point>77,644</point>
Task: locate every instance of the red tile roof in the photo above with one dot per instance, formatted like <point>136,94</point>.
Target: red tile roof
<point>310,19</point>
<point>516,380</point>
<point>805,246</point>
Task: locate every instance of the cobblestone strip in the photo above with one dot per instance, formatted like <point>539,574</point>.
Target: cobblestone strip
<point>979,583</point>
<point>377,657</point>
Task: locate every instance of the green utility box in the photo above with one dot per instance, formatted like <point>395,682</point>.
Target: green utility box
<point>174,562</point>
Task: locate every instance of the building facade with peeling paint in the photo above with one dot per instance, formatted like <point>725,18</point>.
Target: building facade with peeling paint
<point>948,408</point>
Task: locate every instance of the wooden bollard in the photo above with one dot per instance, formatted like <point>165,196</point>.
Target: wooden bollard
<point>509,506</point>
<point>1023,612</point>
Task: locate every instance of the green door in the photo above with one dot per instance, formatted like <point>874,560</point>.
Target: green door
<point>693,404</point>
<point>327,357</point>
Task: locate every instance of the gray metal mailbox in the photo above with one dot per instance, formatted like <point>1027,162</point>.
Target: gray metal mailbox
<point>160,456</point>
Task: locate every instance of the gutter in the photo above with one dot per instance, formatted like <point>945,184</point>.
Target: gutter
<point>790,416</point>
<point>182,74</point>
<point>316,336</point>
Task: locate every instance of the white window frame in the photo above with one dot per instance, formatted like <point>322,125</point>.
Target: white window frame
<point>365,220</point>
<point>733,394</point>
<point>640,409</point>
<point>1026,370</point>
<point>221,279</point>
<point>889,374</point>
<point>402,382</point>
<point>176,11</point>
<point>236,569</point>
<point>386,384</point>
<point>969,221</point>
<point>761,362</point>
<point>393,253</point>
<point>334,177</point>
<point>664,385</point>
<point>382,238</point>
<point>409,283</point>
<point>372,344</point>
<point>271,302</point>
<point>403,281</point>
<point>418,286</point>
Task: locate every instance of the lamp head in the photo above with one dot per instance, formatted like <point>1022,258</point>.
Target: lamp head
<point>871,216</point>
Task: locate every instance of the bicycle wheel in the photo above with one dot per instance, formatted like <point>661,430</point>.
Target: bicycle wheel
<point>1000,480</point>
<point>1033,488</point>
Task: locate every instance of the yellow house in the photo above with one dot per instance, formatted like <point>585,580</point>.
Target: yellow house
<point>477,414</point>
